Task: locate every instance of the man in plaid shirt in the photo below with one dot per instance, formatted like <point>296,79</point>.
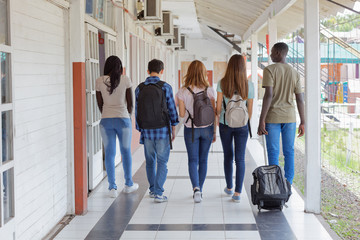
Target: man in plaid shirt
<point>156,141</point>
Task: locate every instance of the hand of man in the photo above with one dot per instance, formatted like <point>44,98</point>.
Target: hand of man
<point>301,130</point>
<point>173,133</point>
<point>262,129</point>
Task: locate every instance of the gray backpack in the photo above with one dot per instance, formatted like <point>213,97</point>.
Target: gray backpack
<point>203,110</point>
<point>236,113</point>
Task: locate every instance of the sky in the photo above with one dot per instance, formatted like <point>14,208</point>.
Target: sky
<point>356,8</point>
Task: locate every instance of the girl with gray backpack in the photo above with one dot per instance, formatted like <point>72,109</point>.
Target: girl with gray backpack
<point>196,105</point>
<point>234,107</point>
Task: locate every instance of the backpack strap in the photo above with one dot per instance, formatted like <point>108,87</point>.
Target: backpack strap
<point>192,92</point>
<point>192,120</point>
<point>160,83</point>
<point>224,109</point>
<point>192,125</point>
<point>141,86</point>
<point>249,126</point>
<point>205,91</point>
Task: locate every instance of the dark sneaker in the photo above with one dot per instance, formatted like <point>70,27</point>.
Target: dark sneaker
<point>151,195</point>
<point>160,199</point>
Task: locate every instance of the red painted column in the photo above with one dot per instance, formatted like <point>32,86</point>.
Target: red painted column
<point>210,77</point>
<point>80,162</point>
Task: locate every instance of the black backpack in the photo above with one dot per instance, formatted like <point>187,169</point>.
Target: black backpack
<point>152,109</point>
<point>270,189</point>
<point>203,114</point>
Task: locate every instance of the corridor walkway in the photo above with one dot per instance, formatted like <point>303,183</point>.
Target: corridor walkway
<point>136,216</point>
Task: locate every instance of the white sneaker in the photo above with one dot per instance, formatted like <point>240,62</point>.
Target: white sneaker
<point>113,193</point>
<point>197,196</point>
<point>133,188</point>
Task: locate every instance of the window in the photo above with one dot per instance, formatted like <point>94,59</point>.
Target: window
<point>3,22</point>
<point>7,203</point>
<point>101,10</point>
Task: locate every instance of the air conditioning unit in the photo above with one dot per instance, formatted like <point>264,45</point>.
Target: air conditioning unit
<point>168,28</point>
<point>152,10</point>
<point>183,43</point>
<point>175,41</point>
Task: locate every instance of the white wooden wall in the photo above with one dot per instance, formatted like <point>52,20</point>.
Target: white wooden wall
<point>41,137</point>
<point>40,117</point>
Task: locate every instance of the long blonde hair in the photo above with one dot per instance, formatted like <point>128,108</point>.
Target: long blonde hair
<point>196,75</point>
<point>235,78</point>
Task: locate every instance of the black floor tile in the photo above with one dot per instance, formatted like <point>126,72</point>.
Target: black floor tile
<point>240,227</point>
<point>208,227</point>
<point>142,227</point>
<point>175,227</point>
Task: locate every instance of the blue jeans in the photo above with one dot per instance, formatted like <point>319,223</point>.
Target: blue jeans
<point>240,136</point>
<point>157,155</point>
<point>198,153</point>
<point>109,129</point>
<point>287,131</point>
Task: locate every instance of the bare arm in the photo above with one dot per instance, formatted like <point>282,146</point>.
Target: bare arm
<point>129,100</point>
<point>250,106</point>
<point>100,101</point>
<point>264,110</point>
<point>218,103</point>
<point>301,109</point>
<point>182,109</point>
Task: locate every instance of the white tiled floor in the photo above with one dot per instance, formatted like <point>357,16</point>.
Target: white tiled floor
<point>216,207</point>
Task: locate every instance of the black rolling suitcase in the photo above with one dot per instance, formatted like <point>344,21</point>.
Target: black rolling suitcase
<point>270,190</point>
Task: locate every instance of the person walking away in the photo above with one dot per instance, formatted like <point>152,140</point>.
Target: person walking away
<point>281,82</point>
<point>197,105</point>
<point>114,99</point>
<point>232,92</point>
<point>156,118</point>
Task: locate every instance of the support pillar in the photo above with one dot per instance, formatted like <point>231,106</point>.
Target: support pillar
<point>272,31</point>
<point>254,78</point>
<point>77,58</point>
<point>312,107</point>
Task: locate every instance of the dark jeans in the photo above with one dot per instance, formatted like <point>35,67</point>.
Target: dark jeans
<point>198,152</point>
<point>240,136</point>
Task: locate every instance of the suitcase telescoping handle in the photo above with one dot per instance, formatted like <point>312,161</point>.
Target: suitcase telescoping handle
<point>265,150</point>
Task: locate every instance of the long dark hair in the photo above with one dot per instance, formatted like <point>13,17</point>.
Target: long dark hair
<point>114,69</point>
<point>235,78</point>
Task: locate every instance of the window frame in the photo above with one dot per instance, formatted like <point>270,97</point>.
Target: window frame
<point>8,228</point>
<point>106,20</point>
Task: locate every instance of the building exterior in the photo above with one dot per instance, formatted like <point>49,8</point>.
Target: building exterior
<point>51,53</point>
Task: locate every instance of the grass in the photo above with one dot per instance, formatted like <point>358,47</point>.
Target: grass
<point>338,203</point>
<point>347,225</point>
<point>334,148</point>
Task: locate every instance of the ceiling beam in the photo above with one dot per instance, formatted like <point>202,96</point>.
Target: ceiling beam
<point>275,8</point>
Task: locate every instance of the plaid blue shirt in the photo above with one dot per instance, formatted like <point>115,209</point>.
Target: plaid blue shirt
<point>158,133</point>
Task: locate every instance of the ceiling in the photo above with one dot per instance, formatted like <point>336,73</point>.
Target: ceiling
<point>293,19</point>
<point>185,16</point>
<point>236,16</point>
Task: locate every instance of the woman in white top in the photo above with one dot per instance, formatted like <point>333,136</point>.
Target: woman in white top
<point>114,98</point>
<point>197,140</point>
